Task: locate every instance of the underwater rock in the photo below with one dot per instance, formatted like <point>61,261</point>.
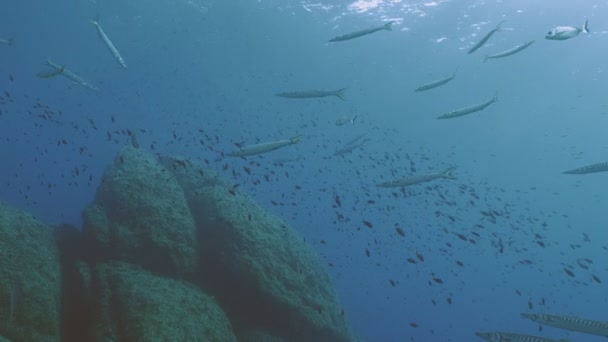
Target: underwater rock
<point>256,266</point>
<point>135,305</point>
<point>29,278</point>
<point>140,215</point>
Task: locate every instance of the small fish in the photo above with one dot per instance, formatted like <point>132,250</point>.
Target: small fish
<point>7,41</point>
<point>468,110</point>
<point>512,337</point>
<point>593,168</point>
<point>51,73</point>
<point>344,119</point>
<point>509,52</point>
<point>567,32</point>
<point>263,147</point>
<point>485,39</point>
<point>435,84</point>
<point>362,33</point>
<point>417,179</point>
<point>310,94</point>
<point>108,43</point>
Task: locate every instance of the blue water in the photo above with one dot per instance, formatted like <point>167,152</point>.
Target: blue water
<point>208,70</point>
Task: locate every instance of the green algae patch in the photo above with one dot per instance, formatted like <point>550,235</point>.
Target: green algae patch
<point>140,215</point>
<point>135,305</point>
<point>30,278</point>
<point>257,267</point>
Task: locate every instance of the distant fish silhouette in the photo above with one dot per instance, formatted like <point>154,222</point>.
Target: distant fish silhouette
<point>599,167</point>
<point>16,294</point>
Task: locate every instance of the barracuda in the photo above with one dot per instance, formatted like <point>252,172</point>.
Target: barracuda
<point>435,84</point>
<point>509,52</point>
<point>593,168</point>
<point>72,76</point>
<point>485,38</point>
<point>572,323</point>
<point>468,110</point>
<point>108,43</point>
<point>309,94</point>
<point>263,147</point>
<point>512,337</point>
<point>362,33</point>
<point>417,179</point>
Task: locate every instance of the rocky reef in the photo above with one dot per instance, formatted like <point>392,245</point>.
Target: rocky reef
<point>168,251</point>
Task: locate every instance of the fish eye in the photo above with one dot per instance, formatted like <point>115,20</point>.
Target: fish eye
<point>549,33</point>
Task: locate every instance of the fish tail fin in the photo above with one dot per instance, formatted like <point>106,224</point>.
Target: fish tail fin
<point>295,139</point>
<point>11,41</point>
<point>485,58</point>
<point>352,121</point>
<point>388,26</point>
<point>340,93</point>
<point>447,173</point>
<point>95,20</point>
<point>586,26</point>
<point>499,26</point>
<point>495,97</point>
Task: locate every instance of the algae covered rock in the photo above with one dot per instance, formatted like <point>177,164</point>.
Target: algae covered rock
<point>260,271</point>
<point>140,215</point>
<point>135,305</point>
<point>29,278</point>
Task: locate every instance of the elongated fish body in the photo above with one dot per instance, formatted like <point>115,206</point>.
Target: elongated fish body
<point>108,43</point>
<point>485,38</point>
<point>593,168</point>
<point>343,120</point>
<point>512,337</point>
<point>509,52</point>
<point>351,145</point>
<point>362,33</point>
<point>599,328</point>
<point>435,84</point>
<point>311,94</point>
<point>72,76</point>
<point>264,147</point>
<point>7,41</point>
<point>417,179</point>
<point>51,73</point>
<point>566,32</point>
<point>468,110</point>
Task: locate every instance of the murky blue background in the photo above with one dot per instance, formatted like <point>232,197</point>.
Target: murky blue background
<point>208,70</point>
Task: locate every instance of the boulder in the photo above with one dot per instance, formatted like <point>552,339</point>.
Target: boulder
<point>140,215</point>
<point>261,272</point>
<point>30,278</point>
<point>135,305</point>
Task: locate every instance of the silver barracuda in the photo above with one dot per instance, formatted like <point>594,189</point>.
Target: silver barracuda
<point>593,168</point>
<point>51,73</point>
<point>509,52</point>
<point>485,38</point>
<point>567,32</point>
<point>435,84</point>
<point>311,94</point>
<point>108,43</point>
<point>7,41</point>
<point>72,76</point>
<point>512,337</point>
<point>362,33</point>
<point>351,145</point>
<point>417,179</point>
<point>345,119</point>
<point>572,323</point>
<point>264,147</point>
<point>468,110</point>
